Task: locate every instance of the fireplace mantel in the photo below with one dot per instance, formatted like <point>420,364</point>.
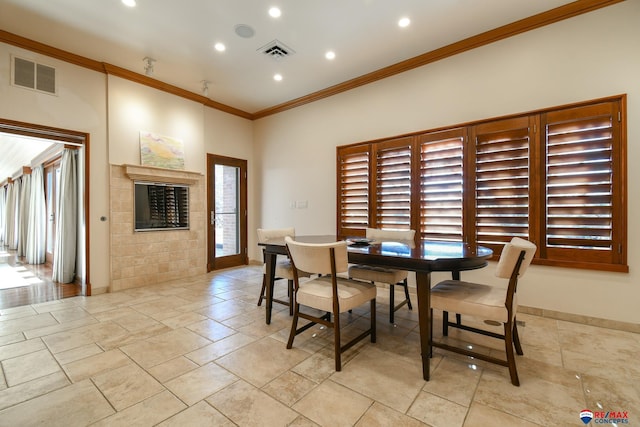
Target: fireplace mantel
<point>155,174</point>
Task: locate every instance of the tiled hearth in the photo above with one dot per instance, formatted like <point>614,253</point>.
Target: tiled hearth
<point>142,258</point>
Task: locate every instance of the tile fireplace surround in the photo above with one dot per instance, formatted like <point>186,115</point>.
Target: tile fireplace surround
<point>143,258</point>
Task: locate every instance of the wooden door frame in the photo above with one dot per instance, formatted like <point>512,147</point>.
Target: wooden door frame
<point>243,258</point>
<point>70,136</point>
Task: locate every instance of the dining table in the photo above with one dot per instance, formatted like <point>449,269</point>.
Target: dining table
<point>421,257</point>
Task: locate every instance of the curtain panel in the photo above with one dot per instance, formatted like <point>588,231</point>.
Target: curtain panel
<point>23,222</point>
<point>64,258</point>
<point>37,219</point>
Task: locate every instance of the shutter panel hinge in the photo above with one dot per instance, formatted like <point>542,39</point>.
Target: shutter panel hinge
<point>620,248</point>
<point>535,129</point>
<point>619,116</point>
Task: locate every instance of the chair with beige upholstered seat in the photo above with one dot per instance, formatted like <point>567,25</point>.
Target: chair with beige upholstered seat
<point>283,268</point>
<point>386,275</point>
<point>489,303</point>
<point>328,293</point>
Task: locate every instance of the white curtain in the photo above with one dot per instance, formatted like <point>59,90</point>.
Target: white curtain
<point>23,218</point>
<point>37,222</point>
<point>11,226</point>
<point>64,254</point>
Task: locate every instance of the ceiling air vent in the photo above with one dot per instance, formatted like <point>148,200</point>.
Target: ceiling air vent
<point>276,50</point>
<point>32,75</point>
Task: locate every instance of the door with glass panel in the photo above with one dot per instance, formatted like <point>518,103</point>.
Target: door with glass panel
<point>51,183</point>
<point>227,207</point>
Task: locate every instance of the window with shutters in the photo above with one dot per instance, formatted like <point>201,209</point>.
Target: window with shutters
<point>581,195</point>
<point>556,177</point>
<point>353,190</point>
<point>501,178</point>
<point>441,184</point>
<point>393,184</point>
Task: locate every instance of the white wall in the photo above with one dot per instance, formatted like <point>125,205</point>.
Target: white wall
<point>586,57</point>
<point>80,105</point>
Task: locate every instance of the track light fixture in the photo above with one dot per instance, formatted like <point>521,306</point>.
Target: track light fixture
<point>148,65</point>
<point>205,88</point>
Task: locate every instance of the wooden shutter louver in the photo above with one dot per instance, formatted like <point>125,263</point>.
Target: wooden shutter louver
<point>353,190</point>
<point>579,187</point>
<point>393,184</point>
<point>441,185</point>
<point>502,181</point>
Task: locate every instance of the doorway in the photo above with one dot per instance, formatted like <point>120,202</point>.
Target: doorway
<point>227,206</point>
<point>50,157</point>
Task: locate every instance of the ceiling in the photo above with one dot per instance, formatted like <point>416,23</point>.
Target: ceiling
<point>18,151</point>
<point>180,36</point>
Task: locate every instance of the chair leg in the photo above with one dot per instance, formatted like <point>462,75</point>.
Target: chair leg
<point>264,288</point>
<point>294,324</point>
<point>406,294</point>
<point>516,338</point>
<point>290,293</point>
<point>445,323</point>
<point>392,302</point>
<point>511,359</point>
<point>337,346</point>
<point>373,320</point>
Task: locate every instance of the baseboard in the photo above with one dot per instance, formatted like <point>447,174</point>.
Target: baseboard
<point>578,318</point>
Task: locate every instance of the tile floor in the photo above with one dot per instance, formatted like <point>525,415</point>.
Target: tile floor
<point>198,352</point>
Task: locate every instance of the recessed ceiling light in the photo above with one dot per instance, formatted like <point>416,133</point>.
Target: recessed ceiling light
<point>274,12</point>
<point>330,55</point>
<point>130,3</point>
<point>404,22</point>
<point>220,47</point>
<point>277,77</point>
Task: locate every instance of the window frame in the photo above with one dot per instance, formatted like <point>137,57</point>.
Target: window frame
<point>616,259</point>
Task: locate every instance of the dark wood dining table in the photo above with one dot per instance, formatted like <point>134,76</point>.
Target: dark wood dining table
<point>421,258</point>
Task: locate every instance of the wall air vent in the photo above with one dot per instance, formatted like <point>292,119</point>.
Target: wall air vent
<point>276,50</point>
<point>31,75</point>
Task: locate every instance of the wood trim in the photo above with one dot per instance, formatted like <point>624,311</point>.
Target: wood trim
<point>561,13</point>
<point>174,90</point>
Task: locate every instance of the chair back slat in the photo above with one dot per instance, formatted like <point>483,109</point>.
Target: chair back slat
<point>265,234</point>
<point>510,254</point>
<point>388,234</point>
<point>315,258</point>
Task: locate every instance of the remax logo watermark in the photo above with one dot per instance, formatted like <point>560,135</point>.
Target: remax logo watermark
<point>604,417</point>
<point>586,416</point>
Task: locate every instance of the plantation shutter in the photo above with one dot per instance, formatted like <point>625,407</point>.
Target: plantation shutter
<point>441,185</point>
<point>353,190</point>
<point>501,181</point>
<point>393,184</point>
<point>580,189</point>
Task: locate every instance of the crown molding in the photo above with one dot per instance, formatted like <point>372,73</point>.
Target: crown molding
<point>567,11</point>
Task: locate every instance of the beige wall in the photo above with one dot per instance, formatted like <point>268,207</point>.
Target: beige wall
<point>113,111</point>
<point>590,56</point>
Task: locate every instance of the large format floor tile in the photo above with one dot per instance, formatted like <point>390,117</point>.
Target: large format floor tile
<point>197,352</point>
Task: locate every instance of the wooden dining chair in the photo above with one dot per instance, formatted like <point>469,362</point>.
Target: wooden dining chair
<point>283,267</point>
<point>328,293</point>
<point>392,277</point>
<point>489,303</point>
